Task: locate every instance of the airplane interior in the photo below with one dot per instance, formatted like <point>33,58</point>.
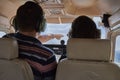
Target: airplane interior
<point>87,59</point>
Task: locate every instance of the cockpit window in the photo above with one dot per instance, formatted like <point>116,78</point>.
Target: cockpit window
<point>100,26</point>
<point>57,29</point>
<point>117,50</point>
<point>2,34</point>
<point>63,29</point>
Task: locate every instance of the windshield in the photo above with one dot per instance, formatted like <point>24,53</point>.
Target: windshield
<point>63,29</point>
<point>2,34</point>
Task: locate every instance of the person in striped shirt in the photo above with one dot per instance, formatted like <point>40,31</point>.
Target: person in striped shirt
<point>29,21</point>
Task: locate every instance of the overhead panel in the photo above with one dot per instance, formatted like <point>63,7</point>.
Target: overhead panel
<point>61,8</point>
<point>82,7</point>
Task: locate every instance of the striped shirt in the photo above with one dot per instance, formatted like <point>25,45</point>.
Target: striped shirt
<point>41,59</point>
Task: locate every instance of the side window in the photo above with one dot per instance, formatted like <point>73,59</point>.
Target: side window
<point>117,50</point>
<point>2,34</point>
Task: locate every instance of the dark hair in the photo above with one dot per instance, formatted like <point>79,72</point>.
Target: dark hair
<point>84,27</point>
<point>29,16</point>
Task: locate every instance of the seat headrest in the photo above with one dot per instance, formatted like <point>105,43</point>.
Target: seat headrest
<point>8,48</point>
<point>89,49</point>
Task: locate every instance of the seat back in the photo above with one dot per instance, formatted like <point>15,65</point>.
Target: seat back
<point>12,68</point>
<point>88,59</point>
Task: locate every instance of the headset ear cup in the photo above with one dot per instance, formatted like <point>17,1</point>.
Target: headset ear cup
<point>42,26</point>
<point>15,25</point>
<point>70,34</point>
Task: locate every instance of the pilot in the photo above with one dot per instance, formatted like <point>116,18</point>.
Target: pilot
<point>83,27</point>
<point>28,22</point>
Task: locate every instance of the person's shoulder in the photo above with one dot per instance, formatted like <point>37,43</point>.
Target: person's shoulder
<point>48,52</point>
<point>48,49</point>
<point>10,35</point>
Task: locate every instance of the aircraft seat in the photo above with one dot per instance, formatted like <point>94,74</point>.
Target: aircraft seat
<point>12,68</point>
<point>88,59</point>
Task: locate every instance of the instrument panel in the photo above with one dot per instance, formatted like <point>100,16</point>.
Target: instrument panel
<point>58,49</point>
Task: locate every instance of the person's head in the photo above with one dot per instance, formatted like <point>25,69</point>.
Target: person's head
<point>29,17</point>
<point>84,27</point>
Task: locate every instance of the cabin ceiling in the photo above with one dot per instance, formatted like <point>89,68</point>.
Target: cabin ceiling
<point>61,11</point>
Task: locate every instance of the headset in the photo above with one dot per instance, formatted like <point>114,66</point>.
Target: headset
<point>39,22</point>
<point>40,26</point>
